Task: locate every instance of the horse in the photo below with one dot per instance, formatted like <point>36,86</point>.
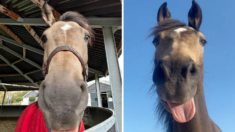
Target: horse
<point>63,94</point>
<point>178,72</point>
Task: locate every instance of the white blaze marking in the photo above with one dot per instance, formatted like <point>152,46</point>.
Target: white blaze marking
<point>178,30</point>
<point>66,27</point>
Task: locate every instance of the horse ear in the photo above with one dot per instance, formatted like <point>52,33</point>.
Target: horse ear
<point>47,14</point>
<point>195,16</point>
<point>163,13</point>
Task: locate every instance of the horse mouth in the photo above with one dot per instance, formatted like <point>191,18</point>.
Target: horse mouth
<point>182,112</point>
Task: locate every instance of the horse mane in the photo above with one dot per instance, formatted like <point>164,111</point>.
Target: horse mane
<point>166,25</point>
<point>164,117</point>
<point>81,20</point>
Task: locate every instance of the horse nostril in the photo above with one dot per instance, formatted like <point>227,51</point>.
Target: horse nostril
<point>189,71</point>
<point>82,85</point>
<point>165,70</point>
<point>161,73</point>
<point>193,69</point>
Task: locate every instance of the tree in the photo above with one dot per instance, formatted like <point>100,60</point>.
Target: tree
<point>19,99</point>
<point>31,99</point>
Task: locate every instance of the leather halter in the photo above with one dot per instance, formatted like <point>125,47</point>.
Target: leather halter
<point>66,48</point>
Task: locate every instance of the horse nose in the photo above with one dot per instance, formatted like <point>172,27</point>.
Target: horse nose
<point>188,69</point>
<point>164,70</point>
<point>64,93</point>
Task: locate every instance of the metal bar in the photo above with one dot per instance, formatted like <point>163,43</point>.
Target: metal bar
<point>114,74</point>
<point>18,70</point>
<point>41,52</point>
<point>10,13</point>
<point>95,71</point>
<point>21,57</point>
<point>107,95</point>
<point>4,97</point>
<point>103,126</point>
<point>15,85</point>
<point>16,17</point>
<point>93,22</point>
<point>3,86</point>
<point>91,70</point>
<point>97,83</point>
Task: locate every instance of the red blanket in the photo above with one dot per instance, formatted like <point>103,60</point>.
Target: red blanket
<point>32,120</point>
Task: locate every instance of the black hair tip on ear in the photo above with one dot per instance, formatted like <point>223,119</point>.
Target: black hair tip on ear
<point>194,3</point>
<point>164,4</point>
<point>163,13</point>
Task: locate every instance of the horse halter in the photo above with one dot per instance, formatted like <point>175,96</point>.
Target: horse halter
<point>65,48</point>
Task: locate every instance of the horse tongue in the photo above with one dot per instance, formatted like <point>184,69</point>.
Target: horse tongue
<point>183,112</point>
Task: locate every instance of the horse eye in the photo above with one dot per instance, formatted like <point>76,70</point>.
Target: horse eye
<point>155,42</point>
<point>203,42</point>
<point>44,39</point>
<point>87,37</point>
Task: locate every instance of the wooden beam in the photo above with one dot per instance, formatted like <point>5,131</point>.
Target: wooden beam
<point>16,61</point>
<point>34,34</point>
<point>19,71</point>
<point>40,3</point>
<point>11,14</point>
<point>9,75</point>
<point>28,27</point>
<point>21,57</point>
<point>7,30</point>
<point>1,44</point>
<point>28,47</point>
<point>3,64</point>
<point>31,72</point>
<point>14,75</point>
<point>24,52</point>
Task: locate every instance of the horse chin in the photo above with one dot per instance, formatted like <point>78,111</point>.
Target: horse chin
<point>181,107</point>
<point>71,130</point>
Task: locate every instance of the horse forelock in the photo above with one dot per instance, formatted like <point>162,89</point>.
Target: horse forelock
<point>80,20</point>
<point>166,25</point>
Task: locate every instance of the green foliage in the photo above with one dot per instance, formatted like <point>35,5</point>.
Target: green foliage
<point>18,99</point>
<point>15,96</point>
<point>31,99</point>
<point>110,94</point>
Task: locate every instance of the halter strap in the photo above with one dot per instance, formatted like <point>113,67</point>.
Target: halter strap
<point>65,48</point>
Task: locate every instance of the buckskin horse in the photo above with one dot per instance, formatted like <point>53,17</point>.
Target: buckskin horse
<point>63,94</point>
<point>178,72</point>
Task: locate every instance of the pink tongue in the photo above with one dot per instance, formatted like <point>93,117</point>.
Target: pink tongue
<point>183,112</point>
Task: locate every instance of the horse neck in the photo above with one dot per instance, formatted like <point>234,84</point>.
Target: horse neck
<point>201,121</point>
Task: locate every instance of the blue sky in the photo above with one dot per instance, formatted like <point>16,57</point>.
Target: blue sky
<point>218,26</point>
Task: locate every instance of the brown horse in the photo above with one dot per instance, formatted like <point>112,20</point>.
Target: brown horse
<point>178,72</point>
<point>63,95</point>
